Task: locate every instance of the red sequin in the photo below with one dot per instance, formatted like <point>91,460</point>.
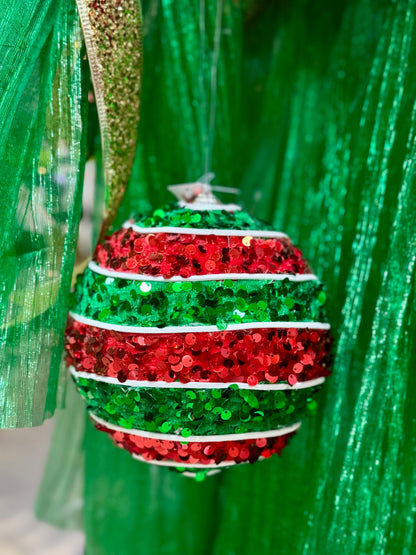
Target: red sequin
<point>172,254</point>
<point>249,450</point>
<point>220,356</point>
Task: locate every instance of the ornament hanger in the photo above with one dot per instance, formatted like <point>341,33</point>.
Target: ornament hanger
<point>199,194</point>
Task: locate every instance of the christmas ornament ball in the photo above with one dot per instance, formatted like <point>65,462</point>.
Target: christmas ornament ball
<point>198,337</point>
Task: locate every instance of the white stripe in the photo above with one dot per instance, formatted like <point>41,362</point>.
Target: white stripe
<point>203,439</point>
<point>266,234</point>
<point>197,385</point>
<point>198,328</point>
<point>209,277</point>
<point>205,206</point>
<point>175,464</point>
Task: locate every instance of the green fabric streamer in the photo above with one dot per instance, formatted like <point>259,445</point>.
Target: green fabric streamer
<point>62,473</point>
<point>316,121</point>
<point>42,154</point>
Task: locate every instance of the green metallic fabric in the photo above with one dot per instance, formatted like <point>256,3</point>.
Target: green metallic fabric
<point>316,121</point>
<point>42,156</point>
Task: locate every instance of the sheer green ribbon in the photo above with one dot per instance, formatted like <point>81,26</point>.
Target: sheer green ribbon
<point>42,153</point>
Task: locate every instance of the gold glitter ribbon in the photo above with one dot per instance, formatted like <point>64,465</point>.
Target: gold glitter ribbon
<point>113,38</point>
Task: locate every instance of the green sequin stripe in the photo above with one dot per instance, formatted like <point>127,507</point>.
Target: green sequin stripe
<point>196,412</point>
<point>159,304</point>
<point>173,216</point>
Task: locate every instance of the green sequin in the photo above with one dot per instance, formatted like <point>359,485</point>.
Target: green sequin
<point>171,410</point>
<point>198,302</point>
<point>174,216</point>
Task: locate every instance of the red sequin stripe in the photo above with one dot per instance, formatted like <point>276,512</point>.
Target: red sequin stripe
<point>171,254</point>
<point>220,356</point>
<point>199,453</point>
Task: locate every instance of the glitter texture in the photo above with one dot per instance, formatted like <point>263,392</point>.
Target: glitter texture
<point>113,37</point>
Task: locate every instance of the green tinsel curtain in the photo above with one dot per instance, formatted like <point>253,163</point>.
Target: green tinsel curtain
<point>42,155</point>
<point>315,120</point>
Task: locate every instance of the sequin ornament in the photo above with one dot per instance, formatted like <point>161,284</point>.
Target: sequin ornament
<point>198,336</point>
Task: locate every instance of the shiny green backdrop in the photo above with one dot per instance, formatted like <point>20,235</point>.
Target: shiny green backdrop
<point>315,121</point>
